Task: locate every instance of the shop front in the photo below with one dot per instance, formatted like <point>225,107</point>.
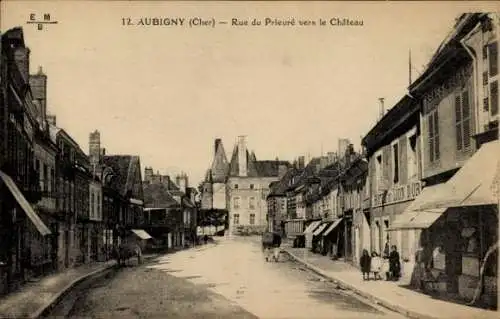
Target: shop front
<point>331,239</point>
<point>308,233</point>
<point>362,234</point>
<point>317,238</point>
<point>456,223</point>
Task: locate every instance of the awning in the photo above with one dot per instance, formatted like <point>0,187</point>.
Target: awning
<point>332,227</point>
<point>141,234</point>
<point>320,229</point>
<point>416,219</point>
<point>476,183</point>
<point>312,227</point>
<point>32,215</point>
<point>136,201</point>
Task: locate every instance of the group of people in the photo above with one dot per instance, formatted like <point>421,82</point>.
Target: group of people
<point>389,264</point>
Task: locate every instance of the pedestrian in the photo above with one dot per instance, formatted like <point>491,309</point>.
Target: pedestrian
<point>365,263</point>
<point>205,239</point>
<point>276,247</point>
<point>376,265</point>
<point>394,264</point>
<point>138,252</point>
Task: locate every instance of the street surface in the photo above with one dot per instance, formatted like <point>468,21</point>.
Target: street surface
<point>227,280</point>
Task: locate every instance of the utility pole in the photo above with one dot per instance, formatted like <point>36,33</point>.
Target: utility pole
<point>409,68</point>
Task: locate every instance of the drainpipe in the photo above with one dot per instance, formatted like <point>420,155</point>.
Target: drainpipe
<point>472,54</point>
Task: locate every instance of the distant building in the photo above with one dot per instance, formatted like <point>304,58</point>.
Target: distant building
<point>239,188</point>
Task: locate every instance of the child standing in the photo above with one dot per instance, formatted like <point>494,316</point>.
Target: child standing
<point>376,265</point>
<point>365,264</point>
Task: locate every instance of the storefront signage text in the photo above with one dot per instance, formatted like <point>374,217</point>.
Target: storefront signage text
<point>397,194</point>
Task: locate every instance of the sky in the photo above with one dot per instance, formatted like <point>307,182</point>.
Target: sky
<point>166,92</point>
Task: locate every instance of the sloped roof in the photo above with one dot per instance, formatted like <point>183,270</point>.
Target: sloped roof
<point>124,168</point>
<point>234,166</point>
<point>157,196</point>
<point>220,164</point>
<point>280,187</point>
<point>270,168</point>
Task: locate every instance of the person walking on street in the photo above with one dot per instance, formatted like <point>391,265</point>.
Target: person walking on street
<point>365,264</point>
<point>276,247</point>
<point>394,263</point>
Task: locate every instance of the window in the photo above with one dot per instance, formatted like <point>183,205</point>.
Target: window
<point>235,186</point>
<point>493,58</point>
<point>251,203</point>
<point>45,178</point>
<point>462,120</point>
<point>236,203</point>
<point>486,104</point>
<point>251,186</point>
<point>412,157</point>
<point>485,52</point>
<point>494,97</point>
<point>433,127</point>
<point>92,205</point>
<point>252,219</point>
<point>53,180</point>
<point>378,171</point>
<point>395,163</point>
<point>485,78</point>
<point>236,219</point>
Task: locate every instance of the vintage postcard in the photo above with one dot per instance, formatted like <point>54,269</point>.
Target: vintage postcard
<point>249,159</point>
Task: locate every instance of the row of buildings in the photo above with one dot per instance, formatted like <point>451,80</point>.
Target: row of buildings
<point>426,177</point>
<point>61,207</point>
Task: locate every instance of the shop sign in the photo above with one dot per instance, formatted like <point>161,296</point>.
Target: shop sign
<point>396,194</point>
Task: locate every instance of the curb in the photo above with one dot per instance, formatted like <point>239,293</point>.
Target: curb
<point>376,300</point>
<point>54,300</point>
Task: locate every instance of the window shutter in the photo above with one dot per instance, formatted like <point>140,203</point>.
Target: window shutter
<point>466,123</point>
<point>494,97</point>
<point>436,135</point>
<point>431,136</point>
<point>493,58</point>
<point>486,104</point>
<point>458,122</point>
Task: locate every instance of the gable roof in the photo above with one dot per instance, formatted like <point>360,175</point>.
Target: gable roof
<point>157,196</point>
<point>125,170</point>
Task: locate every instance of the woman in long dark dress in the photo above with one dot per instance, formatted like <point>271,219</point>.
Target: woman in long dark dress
<point>394,264</point>
<point>365,264</point>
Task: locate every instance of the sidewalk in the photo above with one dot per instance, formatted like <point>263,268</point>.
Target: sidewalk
<point>33,298</point>
<point>388,294</point>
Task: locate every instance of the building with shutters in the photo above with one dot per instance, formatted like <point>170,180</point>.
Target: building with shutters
<point>392,149</point>
<point>455,217</point>
<point>19,181</point>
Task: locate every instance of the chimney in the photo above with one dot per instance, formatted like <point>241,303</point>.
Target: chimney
<point>38,84</point>
<point>103,151</point>
<point>148,174</point>
<point>331,157</point>
<point>94,148</point>
<point>182,182</point>
<point>301,162</point>
<point>242,156</point>
<point>165,180</point>
<point>51,119</point>
<point>382,108</point>
<point>22,60</point>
